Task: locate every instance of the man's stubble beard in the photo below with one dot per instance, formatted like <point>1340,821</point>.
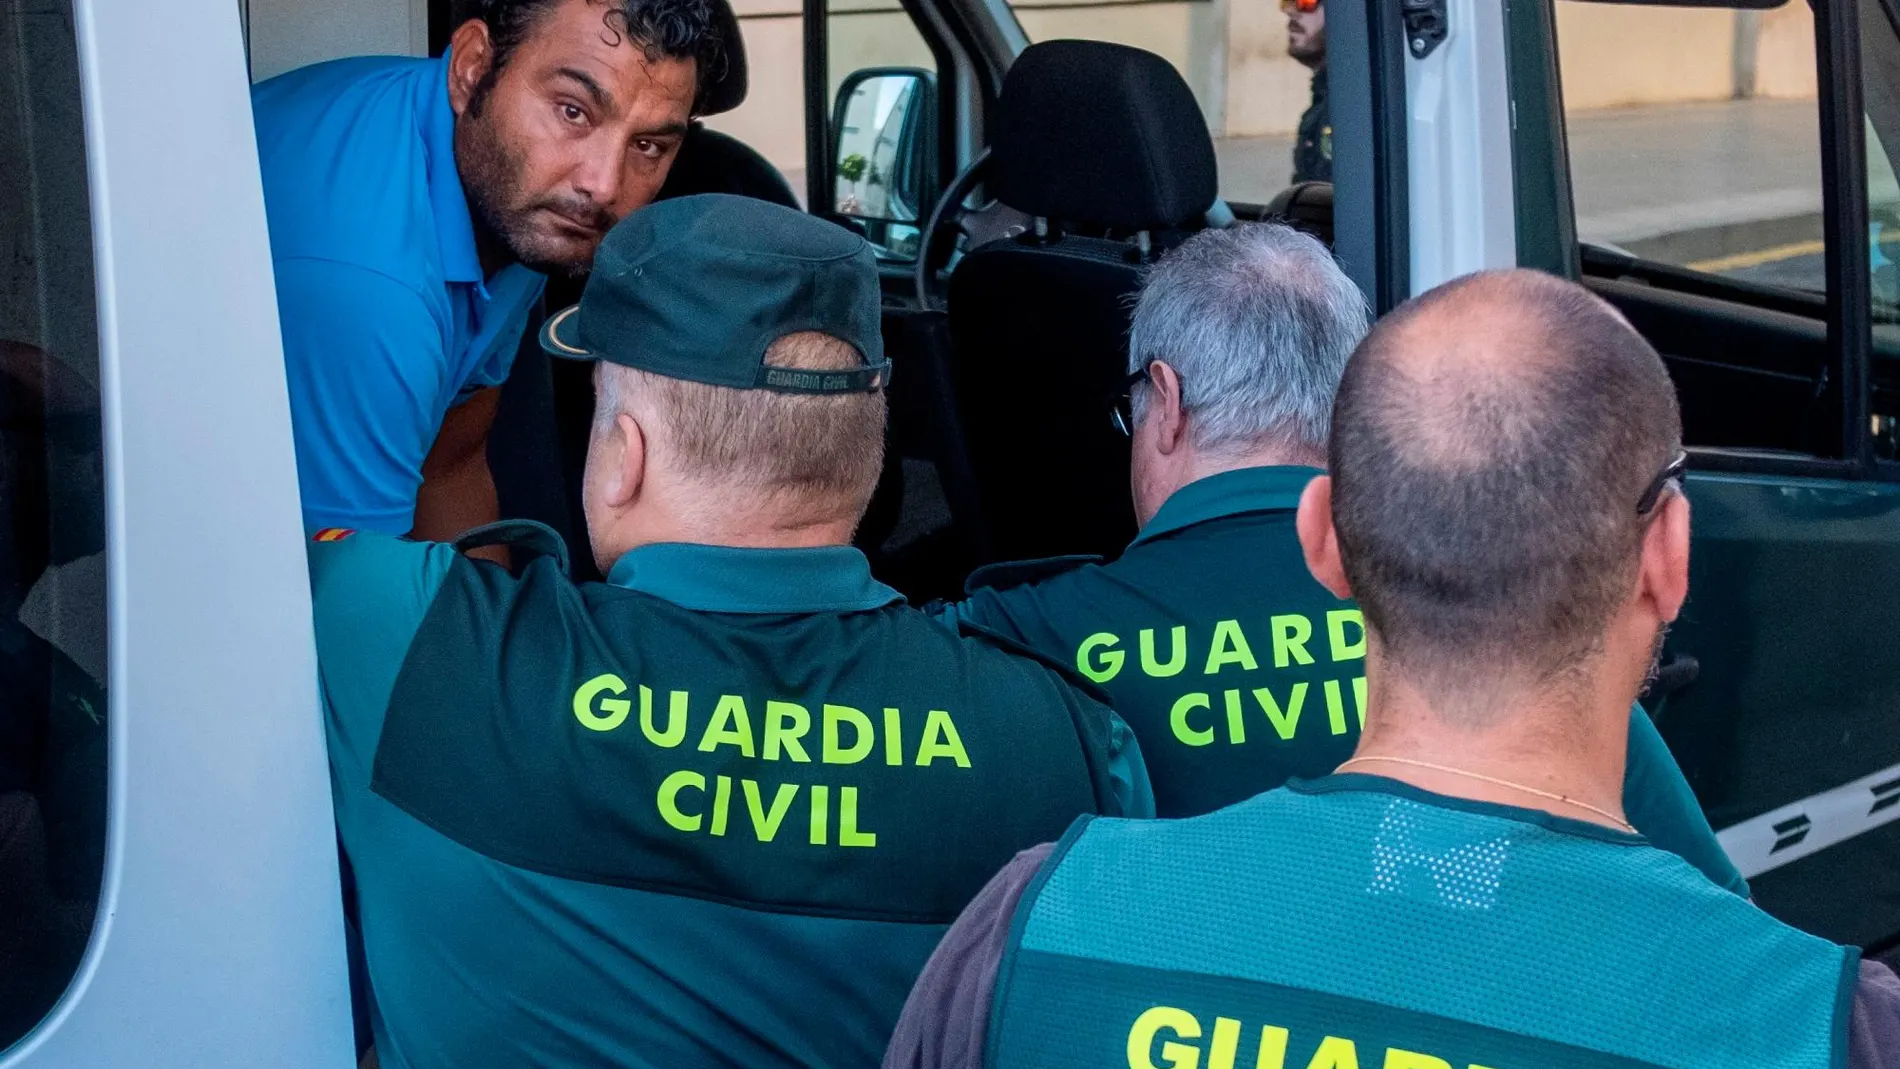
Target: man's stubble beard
<point>490,170</point>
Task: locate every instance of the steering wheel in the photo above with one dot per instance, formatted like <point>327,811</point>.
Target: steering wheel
<point>954,226</point>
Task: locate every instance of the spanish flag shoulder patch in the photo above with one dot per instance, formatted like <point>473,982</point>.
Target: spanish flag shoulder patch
<point>332,534</point>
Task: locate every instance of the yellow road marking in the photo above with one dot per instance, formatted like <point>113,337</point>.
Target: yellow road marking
<point>1742,260</point>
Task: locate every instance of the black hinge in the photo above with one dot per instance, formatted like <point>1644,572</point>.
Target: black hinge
<point>1425,25</point>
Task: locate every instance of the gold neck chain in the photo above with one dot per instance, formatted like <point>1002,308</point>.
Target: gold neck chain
<point>1496,782</point>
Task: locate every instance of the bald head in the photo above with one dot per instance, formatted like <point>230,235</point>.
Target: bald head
<point>1490,442</point>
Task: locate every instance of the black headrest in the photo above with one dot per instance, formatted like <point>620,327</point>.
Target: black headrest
<point>713,162</point>
<point>1102,134</point>
<point>726,85</point>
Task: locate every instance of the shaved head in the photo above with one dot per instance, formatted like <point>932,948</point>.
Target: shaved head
<point>1490,442</point>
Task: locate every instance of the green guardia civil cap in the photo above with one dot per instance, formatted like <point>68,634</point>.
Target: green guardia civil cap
<point>698,288</point>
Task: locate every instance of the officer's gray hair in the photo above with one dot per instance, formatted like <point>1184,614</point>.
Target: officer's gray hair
<point>1258,320</point>
<point>809,458</point>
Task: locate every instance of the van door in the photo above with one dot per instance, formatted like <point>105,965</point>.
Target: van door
<point>168,877</point>
<point>1717,174</point>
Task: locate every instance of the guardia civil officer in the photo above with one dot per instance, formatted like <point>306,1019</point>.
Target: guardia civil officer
<point>718,809</point>
<point>1234,667</point>
<point>1306,43</point>
<point>1467,890</point>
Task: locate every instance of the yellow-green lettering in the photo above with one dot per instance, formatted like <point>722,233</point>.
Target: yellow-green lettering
<point>1224,1044</point>
<point>765,824</point>
<point>1272,1048</point>
<point>893,737</point>
<point>1335,1053</point>
<point>785,724</point>
<point>1336,621</point>
<point>1177,718</point>
<point>1359,699</point>
<point>1287,722</point>
<point>1149,1026</point>
<point>1177,653</point>
<point>941,740</point>
<point>820,814</point>
<point>613,711</point>
<point>670,789</point>
<point>848,833</point>
<point>862,737</point>
<point>675,732</point>
<point>1105,667</point>
<point>1290,635</point>
<point>1229,647</point>
<point>722,804</point>
<point>1236,724</point>
<point>730,725</point>
<point>1335,707</point>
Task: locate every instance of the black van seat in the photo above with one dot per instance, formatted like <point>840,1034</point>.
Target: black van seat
<point>1094,139</point>
<point>712,162</point>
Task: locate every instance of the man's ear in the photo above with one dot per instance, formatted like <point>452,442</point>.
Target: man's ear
<point>1317,538</point>
<point>1663,577</point>
<point>471,53</point>
<point>629,463</point>
<point>1164,408</point>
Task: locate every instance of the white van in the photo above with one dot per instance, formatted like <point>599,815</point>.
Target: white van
<point>169,884</point>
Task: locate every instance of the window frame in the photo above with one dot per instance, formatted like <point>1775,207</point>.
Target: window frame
<point>1542,187</point>
<point>954,81</point>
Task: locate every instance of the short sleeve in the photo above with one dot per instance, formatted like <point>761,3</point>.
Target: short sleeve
<point>1873,1031</point>
<point>369,594</point>
<point>1658,801</point>
<point>365,358</point>
<point>946,1019</point>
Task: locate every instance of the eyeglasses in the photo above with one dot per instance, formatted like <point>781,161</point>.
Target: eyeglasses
<point>1123,412</point>
<point>1304,7</point>
<point>1671,473</point>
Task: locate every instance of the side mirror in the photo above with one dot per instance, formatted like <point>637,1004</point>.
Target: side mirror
<point>884,167</point>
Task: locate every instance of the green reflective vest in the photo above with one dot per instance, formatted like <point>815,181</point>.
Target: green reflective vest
<point>1357,922</point>
<point>716,811</point>
<point>1236,669</point>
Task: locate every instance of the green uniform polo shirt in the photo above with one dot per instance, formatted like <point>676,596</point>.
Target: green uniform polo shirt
<point>716,811</point>
<point>1236,669</point>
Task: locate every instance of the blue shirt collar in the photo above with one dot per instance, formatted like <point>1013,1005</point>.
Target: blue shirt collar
<point>454,226</point>
<point>729,579</point>
<point>1230,493</point>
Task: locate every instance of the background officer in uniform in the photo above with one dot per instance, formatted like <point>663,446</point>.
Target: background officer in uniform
<point>718,809</point>
<point>1306,43</point>
<point>417,204</point>
<point>1467,890</point>
<point>1233,666</point>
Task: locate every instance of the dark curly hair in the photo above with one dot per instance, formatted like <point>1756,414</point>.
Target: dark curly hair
<point>661,29</point>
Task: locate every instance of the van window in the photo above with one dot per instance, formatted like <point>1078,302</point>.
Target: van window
<point>859,34</point>
<point>1695,137</point>
<point>1234,56</point>
<point>52,523</point>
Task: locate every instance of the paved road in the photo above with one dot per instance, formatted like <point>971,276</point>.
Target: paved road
<point>1732,187</point>
<point>1638,172</point>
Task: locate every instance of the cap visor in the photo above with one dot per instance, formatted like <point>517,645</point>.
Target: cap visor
<point>561,335</point>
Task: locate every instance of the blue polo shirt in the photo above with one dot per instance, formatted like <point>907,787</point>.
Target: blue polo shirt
<point>387,319</point>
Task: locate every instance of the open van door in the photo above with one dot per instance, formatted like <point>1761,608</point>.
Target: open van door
<point>1721,175</point>
<point>169,896</point>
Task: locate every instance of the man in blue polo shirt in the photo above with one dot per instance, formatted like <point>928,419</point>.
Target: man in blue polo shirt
<point>415,208</point>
